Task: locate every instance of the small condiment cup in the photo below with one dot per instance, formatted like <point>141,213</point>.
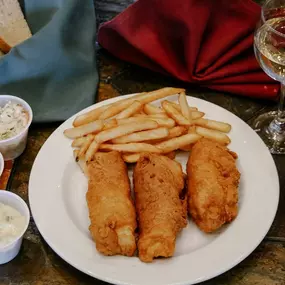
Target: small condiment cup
<point>10,251</point>
<point>13,147</point>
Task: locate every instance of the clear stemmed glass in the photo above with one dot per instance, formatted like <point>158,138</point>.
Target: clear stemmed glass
<point>269,47</point>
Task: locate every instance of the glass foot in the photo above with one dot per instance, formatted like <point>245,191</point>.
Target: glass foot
<point>271,131</point>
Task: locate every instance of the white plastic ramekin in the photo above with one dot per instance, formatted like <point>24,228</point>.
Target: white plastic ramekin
<point>13,147</point>
<point>10,251</point>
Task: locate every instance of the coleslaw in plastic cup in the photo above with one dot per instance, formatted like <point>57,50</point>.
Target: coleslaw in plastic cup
<point>13,146</point>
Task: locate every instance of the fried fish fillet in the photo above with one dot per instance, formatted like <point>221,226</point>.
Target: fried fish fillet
<point>158,185</point>
<point>213,180</point>
<point>111,210</point>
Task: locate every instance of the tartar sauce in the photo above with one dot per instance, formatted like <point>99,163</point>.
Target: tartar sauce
<point>12,224</point>
<point>13,119</point>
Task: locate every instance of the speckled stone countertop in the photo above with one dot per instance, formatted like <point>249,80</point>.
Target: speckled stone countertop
<point>37,264</point>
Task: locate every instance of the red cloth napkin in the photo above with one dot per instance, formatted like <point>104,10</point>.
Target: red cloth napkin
<point>209,42</point>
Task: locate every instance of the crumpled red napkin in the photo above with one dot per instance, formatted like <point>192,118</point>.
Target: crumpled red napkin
<point>208,42</point>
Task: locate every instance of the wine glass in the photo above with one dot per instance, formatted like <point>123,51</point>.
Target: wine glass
<point>269,48</point>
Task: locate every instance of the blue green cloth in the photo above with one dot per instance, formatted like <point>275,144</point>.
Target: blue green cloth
<point>55,70</point>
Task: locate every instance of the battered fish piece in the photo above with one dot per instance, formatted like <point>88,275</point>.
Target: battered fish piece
<point>158,185</point>
<point>111,210</point>
<point>213,180</point>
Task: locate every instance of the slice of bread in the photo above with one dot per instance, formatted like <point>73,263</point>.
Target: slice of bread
<point>13,26</point>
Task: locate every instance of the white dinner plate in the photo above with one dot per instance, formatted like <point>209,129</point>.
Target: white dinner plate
<point>57,191</point>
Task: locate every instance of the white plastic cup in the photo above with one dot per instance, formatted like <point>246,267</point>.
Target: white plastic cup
<point>13,147</point>
<point>11,250</point>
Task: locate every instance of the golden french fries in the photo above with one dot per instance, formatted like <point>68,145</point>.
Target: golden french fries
<point>86,145</point>
<point>213,135</point>
<point>178,108</point>
<point>177,131</point>
<point>211,124</point>
<point>109,124</point>
<point>184,106</point>
<point>174,114</point>
<point>159,94</point>
<point>152,110</point>
<point>130,147</point>
<point>132,109</point>
<point>83,130</point>
<point>143,98</point>
<point>89,116</point>
<point>94,114</point>
<point>161,115</point>
<point>75,153</point>
<point>115,109</point>
<point>194,112</point>
<point>131,120</point>
<point>173,132</point>
<point>162,122</point>
<point>131,158</point>
<point>134,157</point>
<point>78,142</point>
<point>123,130</point>
<point>158,133</point>
<point>197,115</point>
<point>192,129</point>
<point>178,142</point>
<point>81,162</point>
<point>93,148</point>
<point>134,126</point>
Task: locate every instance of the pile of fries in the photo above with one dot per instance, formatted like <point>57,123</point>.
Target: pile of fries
<point>134,125</point>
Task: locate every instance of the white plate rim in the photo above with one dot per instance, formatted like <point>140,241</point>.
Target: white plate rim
<point>214,273</point>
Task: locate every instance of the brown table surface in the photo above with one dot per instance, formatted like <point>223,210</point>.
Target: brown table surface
<point>37,264</point>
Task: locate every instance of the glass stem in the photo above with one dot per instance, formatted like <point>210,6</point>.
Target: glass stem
<point>281,113</point>
<point>277,126</point>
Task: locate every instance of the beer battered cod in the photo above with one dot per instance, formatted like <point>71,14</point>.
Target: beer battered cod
<point>158,186</point>
<point>111,210</point>
<point>213,180</point>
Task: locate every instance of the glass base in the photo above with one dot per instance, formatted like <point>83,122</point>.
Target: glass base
<point>271,131</point>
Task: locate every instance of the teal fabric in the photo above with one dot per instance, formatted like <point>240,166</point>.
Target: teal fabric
<point>55,70</point>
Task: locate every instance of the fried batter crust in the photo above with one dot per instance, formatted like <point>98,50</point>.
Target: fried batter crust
<point>161,213</point>
<point>213,180</point>
<point>111,209</point>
